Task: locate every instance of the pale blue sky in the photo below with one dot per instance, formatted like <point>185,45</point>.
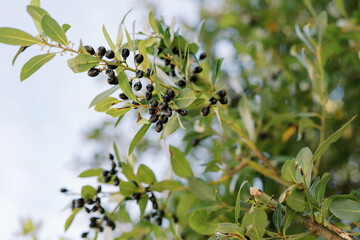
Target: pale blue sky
<point>43,117</point>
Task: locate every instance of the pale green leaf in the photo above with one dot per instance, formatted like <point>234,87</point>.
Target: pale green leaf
<point>125,86</point>
<point>82,63</point>
<point>179,163</point>
<point>34,64</point>
<point>238,202</point>
<point>142,49</point>
<point>145,175</point>
<point>201,189</point>
<point>184,98</point>
<point>288,171</point>
<point>320,188</point>
<point>94,172</point>
<point>14,36</point>
<point>128,188</point>
<point>88,192</point>
<point>105,104</point>
<point>170,126</point>
<point>139,135</point>
<point>108,39</point>
<point>255,222</point>
<point>71,218</point>
<point>346,209</point>
<point>53,30</point>
<point>103,95</point>
<point>170,185</point>
<point>199,223</point>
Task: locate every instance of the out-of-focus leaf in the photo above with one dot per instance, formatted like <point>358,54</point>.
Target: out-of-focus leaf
<point>138,136</point>
<point>94,172</point>
<point>179,163</point>
<point>103,95</point>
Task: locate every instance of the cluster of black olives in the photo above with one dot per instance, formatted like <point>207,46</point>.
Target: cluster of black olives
<point>160,112</point>
<point>109,175</point>
<point>213,100</point>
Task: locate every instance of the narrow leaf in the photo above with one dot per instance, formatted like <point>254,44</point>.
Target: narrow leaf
<point>139,135</point>
<point>94,172</point>
<point>289,214</point>
<point>82,63</point>
<point>201,189</point>
<point>21,49</point>
<point>170,126</point>
<point>142,50</point>
<point>53,30</point>
<point>14,36</point>
<point>184,98</point>
<point>108,39</point>
<point>118,112</point>
<point>170,185</point>
<point>103,95</point>
<point>125,86</point>
<point>238,202</point>
<point>71,218</point>
<point>128,188</point>
<point>105,104</point>
<point>216,70</point>
<point>31,66</point>
<point>179,163</point>
<point>320,188</point>
<point>277,217</point>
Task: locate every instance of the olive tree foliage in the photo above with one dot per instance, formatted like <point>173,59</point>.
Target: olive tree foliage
<point>268,126</point>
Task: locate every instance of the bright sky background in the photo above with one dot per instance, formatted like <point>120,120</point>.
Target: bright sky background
<point>42,118</point>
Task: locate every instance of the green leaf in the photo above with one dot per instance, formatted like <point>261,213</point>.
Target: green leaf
<point>82,63</point>
<point>297,201</point>
<point>53,30</point>
<point>277,217</point>
<point>238,202</point>
<point>119,38</point>
<point>153,22</point>
<point>130,42</point>
<point>325,208</point>
<point>288,171</point>
<point>346,209</point>
<point>289,215</point>
<point>145,175</point>
<point>14,36</point>
<point>255,222</point>
<point>37,14</point>
<point>65,27</point>
<point>21,49</point>
<point>116,150</point>
<point>170,126</point>
<point>128,171</point>
<point>94,172</point>
<point>71,218</point>
<point>103,95</point>
<point>142,204</point>
<point>313,186</point>
<point>105,104</point>
<point>303,159</point>
<point>142,49</point>
<point>216,70</point>
<point>31,66</point>
<point>305,123</point>
<point>321,23</point>
<point>139,135</point>
<point>170,185</point>
<point>331,139</point>
<point>320,188</point>
<point>198,222</point>
<point>341,7</point>
<point>88,192</point>
<point>125,86</point>
<point>118,112</point>
<point>184,98</point>
<point>128,188</point>
<point>230,228</point>
<point>201,189</point>
<point>108,39</point>
<point>179,163</point>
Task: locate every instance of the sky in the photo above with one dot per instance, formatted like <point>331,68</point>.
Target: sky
<point>42,118</point>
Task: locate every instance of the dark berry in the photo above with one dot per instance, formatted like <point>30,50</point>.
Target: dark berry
<point>146,218</point>
<point>89,201</point>
<point>101,51</point>
<point>159,221</point>
<point>112,66</point>
<point>175,50</point>
<point>172,73</point>
<point>139,58</point>
<point>202,56</point>
<point>213,100</point>
<point>63,190</point>
<point>111,157</point>
<point>148,96</point>
<point>116,181</point>
<point>100,228</point>
<point>137,86</point>
<point>98,189</point>
<point>193,78</point>
<point>136,196</point>
<point>167,62</point>
<point>149,72</point>
<point>172,66</point>
<point>93,219</point>
<point>113,171</point>
<point>181,83</point>
<point>101,210</point>
<point>84,234</point>
<point>89,49</point>
<point>155,205</point>
<point>112,80</point>
<point>80,203</point>
<point>98,202</point>
<point>152,111</point>
<point>198,69</point>
<point>168,112</point>
<point>170,93</point>
<point>221,93</point>
<point>73,203</point>
<point>164,119</point>
<point>152,198</point>
<point>107,179</point>
<point>110,54</point>
<point>123,96</point>
<point>113,164</point>
<point>135,103</point>
<point>135,183</point>
<point>161,213</point>
<point>125,52</point>
<point>175,218</point>
<point>95,208</point>
<point>195,142</point>
<point>159,126</point>
<point>110,73</point>
<point>105,173</point>
<point>139,73</point>
<point>166,98</point>
<point>163,105</point>
<point>182,112</point>
<point>154,103</point>
<point>205,111</point>
<point>153,118</point>
<point>93,72</point>
<point>87,210</point>
<point>223,100</point>
<point>149,88</point>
